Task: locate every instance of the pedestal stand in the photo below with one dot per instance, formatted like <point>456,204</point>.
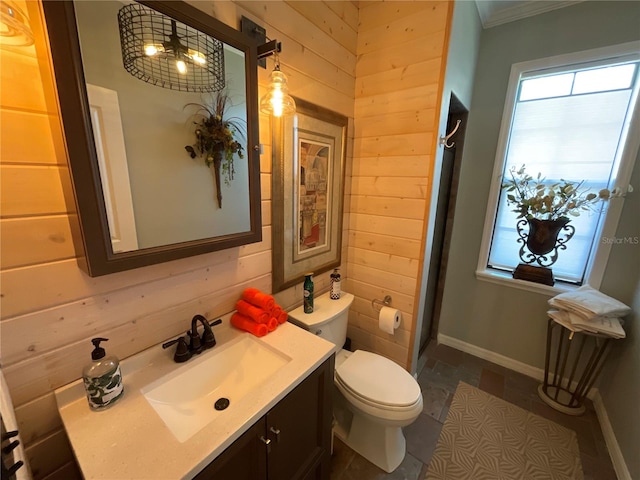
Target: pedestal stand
<point>582,364</point>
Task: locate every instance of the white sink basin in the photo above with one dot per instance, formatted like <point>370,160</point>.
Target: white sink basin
<point>185,398</point>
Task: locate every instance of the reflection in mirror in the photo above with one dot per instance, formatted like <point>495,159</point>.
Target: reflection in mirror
<point>141,197</point>
<point>172,197</point>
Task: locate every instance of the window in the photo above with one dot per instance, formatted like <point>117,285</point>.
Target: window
<point>566,118</point>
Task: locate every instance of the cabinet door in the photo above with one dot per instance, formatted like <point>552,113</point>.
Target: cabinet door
<point>244,459</point>
<point>300,429</point>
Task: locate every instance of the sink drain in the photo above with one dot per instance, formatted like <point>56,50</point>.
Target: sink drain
<point>221,403</point>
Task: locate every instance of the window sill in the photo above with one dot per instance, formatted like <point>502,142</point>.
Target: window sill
<point>505,279</point>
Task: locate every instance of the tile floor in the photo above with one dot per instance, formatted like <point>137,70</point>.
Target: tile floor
<point>438,378</point>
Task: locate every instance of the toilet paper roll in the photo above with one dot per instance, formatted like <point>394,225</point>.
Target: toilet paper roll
<point>389,319</point>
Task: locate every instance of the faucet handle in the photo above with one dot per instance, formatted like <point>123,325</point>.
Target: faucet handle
<point>182,353</point>
<point>208,338</point>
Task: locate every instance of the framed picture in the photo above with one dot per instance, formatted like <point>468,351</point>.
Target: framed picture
<point>307,190</point>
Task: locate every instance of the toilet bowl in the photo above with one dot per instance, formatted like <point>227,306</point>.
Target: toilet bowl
<point>383,398</point>
<point>374,398</point>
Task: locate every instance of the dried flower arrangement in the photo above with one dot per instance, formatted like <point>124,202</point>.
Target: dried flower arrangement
<point>533,198</point>
<point>216,138</point>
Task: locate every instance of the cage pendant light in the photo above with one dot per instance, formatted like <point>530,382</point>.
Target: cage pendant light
<point>158,50</point>
<point>277,101</point>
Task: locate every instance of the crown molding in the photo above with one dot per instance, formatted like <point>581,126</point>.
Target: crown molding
<point>494,12</point>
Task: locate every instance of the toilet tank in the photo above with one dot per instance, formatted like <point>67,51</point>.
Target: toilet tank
<point>328,320</point>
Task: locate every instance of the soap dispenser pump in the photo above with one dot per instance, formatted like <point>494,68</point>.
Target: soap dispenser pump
<point>102,378</point>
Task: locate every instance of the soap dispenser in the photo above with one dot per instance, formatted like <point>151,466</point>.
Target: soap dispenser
<point>102,378</point>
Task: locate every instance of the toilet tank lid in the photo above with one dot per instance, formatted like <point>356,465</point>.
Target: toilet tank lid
<point>379,379</point>
<point>324,310</point>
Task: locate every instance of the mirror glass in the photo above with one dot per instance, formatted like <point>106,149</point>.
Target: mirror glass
<point>157,194</point>
<point>143,184</point>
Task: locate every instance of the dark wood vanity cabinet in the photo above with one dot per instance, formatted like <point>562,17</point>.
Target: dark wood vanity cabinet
<point>243,459</point>
<point>291,442</point>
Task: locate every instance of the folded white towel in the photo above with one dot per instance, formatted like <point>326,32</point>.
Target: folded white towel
<point>610,326</point>
<point>589,303</point>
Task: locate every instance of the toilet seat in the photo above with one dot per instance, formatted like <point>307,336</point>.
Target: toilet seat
<point>373,408</point>
<point>378,381</point>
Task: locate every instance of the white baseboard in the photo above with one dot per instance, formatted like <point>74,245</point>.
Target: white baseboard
<point>617,459</point>
<point>510,363</point>
<point>496,358</point>
<point>615,453</point>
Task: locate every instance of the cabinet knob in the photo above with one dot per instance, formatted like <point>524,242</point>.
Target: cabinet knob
<point>267,442</point>
<point>276,432</point>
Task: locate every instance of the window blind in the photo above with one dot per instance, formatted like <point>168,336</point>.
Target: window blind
<point>566,126</point>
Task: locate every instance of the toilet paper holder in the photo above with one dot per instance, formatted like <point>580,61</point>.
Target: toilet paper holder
<point>378,304</point>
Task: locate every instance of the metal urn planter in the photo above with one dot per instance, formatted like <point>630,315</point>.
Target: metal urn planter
<point>540,244</point>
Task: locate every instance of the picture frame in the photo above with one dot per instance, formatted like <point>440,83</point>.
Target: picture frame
<point>309,151</point>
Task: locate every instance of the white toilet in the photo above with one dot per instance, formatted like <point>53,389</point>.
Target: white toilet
<point>376,396</point>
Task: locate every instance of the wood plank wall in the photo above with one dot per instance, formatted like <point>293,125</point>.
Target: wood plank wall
<point>50,309</point>
<point>387,57</point>
<point>399,71</point>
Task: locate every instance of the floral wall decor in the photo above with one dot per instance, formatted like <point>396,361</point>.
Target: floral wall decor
<point>217,138</point>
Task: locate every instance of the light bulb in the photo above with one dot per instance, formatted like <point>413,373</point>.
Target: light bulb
<point>197,57</point>
<point>276,101</point>
<point>150,50</point>
<point>181,66</point>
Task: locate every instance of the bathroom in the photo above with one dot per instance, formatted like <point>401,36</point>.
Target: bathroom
<point>393,85</point>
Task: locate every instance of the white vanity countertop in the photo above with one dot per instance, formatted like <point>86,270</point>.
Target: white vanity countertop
<point>130,441</point>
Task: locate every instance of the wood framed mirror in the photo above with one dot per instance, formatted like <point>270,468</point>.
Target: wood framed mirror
<point>173,207</point>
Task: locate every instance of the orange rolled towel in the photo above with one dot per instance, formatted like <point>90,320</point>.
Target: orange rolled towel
<point>245,323</point>
<point>258,299</point>
<point>254,313</point>
<point>272,324</point>
<point>279,314</point>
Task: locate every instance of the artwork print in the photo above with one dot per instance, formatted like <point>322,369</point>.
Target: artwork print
<point>314,195</point>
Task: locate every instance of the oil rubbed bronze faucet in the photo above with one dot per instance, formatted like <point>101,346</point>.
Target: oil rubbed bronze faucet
<point>196,343</point>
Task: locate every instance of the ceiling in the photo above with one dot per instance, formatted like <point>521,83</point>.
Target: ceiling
<point>496,12</point>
